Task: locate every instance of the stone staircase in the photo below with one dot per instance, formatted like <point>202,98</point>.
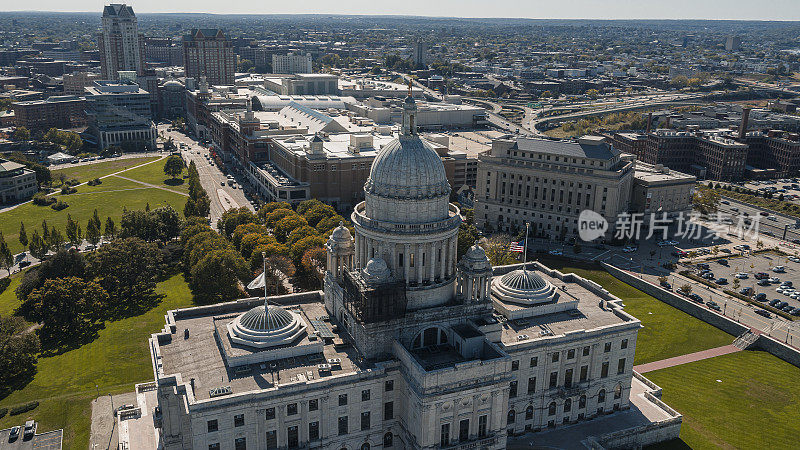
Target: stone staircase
<point>745,340</point>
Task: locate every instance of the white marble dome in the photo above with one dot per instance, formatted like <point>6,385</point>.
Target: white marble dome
<point>377,272</point>
<point>264,328</point>
<point>408,168</point>
<point>340,235</point>
<point>524,287</point>
<point>475,259</point>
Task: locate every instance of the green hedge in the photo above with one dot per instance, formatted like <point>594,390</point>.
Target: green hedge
<point>3,412</point>
<point>24,408</point>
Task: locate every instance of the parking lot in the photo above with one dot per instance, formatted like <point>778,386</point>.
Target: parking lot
<point>45,441</point>
<point>747,267</point>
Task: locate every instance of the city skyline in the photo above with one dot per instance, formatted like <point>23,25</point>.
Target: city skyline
<point>771,10</point>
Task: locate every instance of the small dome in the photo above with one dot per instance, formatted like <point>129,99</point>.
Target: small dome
<point>262,328</point>
<point>475,259</point>
<point>172,85</point>
<point>523,287</point>
<point>407,168</point>
<point>376,271</point>
<point>341,234</point>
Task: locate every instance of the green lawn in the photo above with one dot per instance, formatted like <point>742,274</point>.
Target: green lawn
<point>154,174</point>
<point>91,171</point>
<point>8,300</point>
<point>667,331</point>
<point>65,384</point>
<point>83,204</point>
<point>753,405</point>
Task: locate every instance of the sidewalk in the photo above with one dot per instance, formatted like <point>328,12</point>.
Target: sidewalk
<point>684,359</point>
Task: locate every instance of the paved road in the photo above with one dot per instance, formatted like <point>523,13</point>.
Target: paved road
<point>211,177</point>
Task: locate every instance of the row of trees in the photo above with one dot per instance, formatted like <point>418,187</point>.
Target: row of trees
<point>198,204</point>
<point>51,239</point>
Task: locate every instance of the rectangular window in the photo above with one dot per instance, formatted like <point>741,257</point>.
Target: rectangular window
<point>586,351</point>
<point>313,431</point>
<point>584,373</point>
<point>515,365</point>
<point>513,392</point>
<point>269,413</point>
<point>342,425</point>
<point>212,425</point>
<point>624,344</point>
<point>365,395</point>
<point>553,379</point>
<point>342,399</point>
<point>240,444</point>
<point>238,420</point>
<point>621,366</point>
<point>463,430</point>
<point>571,353</point>
<point>444,439</point>
<point>531,385</point>
<point>604,370</point>
<point>272,440</point>
<point>568,378</point>
<point>389,385</point>
<point>292,437</point>
<point>313,404</point>
<point>365,420</point>
<point>388,411</point>
<point>534,361</point>
<point>555,357</point>
<point>291,409</point>
<point>607,347</point>
<point>482,422</point>
<point>214,446</point>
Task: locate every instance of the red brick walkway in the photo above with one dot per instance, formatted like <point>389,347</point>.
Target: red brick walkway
<point>683,359</point>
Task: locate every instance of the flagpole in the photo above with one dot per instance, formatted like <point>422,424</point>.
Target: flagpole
<point>264,274</point>
<point>525,250</point>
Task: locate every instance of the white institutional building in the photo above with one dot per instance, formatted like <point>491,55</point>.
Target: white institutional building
<point>407,347</point>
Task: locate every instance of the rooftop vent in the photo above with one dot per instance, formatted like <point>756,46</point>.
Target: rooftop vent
<point>220,391</point>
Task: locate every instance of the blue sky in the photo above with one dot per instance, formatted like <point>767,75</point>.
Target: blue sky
<point>566,9</point>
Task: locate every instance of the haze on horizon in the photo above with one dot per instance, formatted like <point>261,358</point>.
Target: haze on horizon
<point>786,10</point>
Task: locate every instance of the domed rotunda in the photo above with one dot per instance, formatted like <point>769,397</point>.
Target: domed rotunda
<point>265,327</point>
<point>524,287</point>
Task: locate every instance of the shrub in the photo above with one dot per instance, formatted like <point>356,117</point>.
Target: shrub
<point>72,182</point>
<point>95,182</point>
<point>3,412</point>
<point>4,282</point>
<point>24,408</point>
<point>59,205</point>
<point>41,199</point>
<point>68,190</point>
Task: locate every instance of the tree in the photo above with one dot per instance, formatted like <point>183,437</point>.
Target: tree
<point>69,309</point>
<point>498,252</point>
<point>215,277</point>
<point>23,236</point>
<point>55,239</point>
<point>17,352</point>
<point>234,217</point>
<point>287,225</point>
<point>314,215</point>
<point>21,134</point>
<point>173,166</point>
<point>110,228</point>
<point>300,233</point>
<point>736,283</point>
<point>686,289</point>
<point>6,257</point>
<point>275,216</point>
<point>128,269</point>
<point>37,247</point>
<point>303,245</point>
<point>93,229</point>
<point>62,264</point>
<point>73,230</point>
<point>705,200</point>
<point>467,236</point>
<point>277,267</point>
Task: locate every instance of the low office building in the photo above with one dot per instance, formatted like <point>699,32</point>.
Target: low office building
<point>119,115</point>
<point>64,111</point>
<point>76,82</point>
<point>659,190</point>
<point>304,84</point>
<point>17,183</point>
<point>548,183</point>
<point>291,63</point>
<point>406,347</point>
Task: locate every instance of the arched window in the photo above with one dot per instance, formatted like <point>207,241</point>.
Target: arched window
<point>618,391</point>
<point>582,402</point>
<point>512,416</point>
<point>387,439</point>
<point>365,446</point>
<point>601,396</point>
<point>430,337</point>
<point>551,410</point>
<point>568,405</point>
<point>442,337</point>
<point>529,413</point>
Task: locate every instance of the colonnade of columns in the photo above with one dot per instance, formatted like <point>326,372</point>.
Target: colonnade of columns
<point>422,263</point>
<point>474,288</point>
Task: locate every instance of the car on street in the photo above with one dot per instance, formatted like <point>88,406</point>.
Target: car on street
<point>725,202</point>
<point>734,209</point>
<point>13,435</point>
<point>764,213</point>
<point>766,314</point>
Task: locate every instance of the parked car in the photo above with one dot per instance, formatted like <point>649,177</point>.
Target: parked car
<point>774,280</point>
<point>760,297</point>
<point>741,276</point>
<point>786,283</point>
<point>766,314</point>
<point>746,291</point>
<point>795,312</point>
<point>774,302</point>
<point>696,298</point>
<point>722,281</point>
<point>794,259</point>
<point>555,252</point>
<point>666,285</point>
<point>724,262</point>
<point>713,305</point>
<point>725,202</point>
<point>629,249</point>
<point>13,435</point>
<point>30,430</point>
<point>760,275</point>
<point>763,282</point>
<point>703,266</point>
<point>781,305</point>
<point>764,213</point>
<point>779,269</point>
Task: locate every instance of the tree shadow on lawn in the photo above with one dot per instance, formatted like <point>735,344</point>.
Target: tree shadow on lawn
<point>87,334</point>
<point>173,181</point>
<point>18,382</point>
<point>674,444</point>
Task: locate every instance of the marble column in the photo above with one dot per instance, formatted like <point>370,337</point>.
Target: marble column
<point>446,257</point>
<point>443,260</point>
<point>418,262</point>
<point>432,261</point>
<point>407,264</point>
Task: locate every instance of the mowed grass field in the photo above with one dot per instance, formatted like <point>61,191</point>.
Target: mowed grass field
<point>8,299</point>
<point>88,172</point>
<point>109,198</point>
<point>64,385</point>
<point>745,400</point>
<point>666,331</point>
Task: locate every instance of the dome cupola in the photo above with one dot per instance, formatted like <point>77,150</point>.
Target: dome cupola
<point>524,287</point>
<point>266,327</point>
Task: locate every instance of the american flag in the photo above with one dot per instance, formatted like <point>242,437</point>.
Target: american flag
<point>516,247</point>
